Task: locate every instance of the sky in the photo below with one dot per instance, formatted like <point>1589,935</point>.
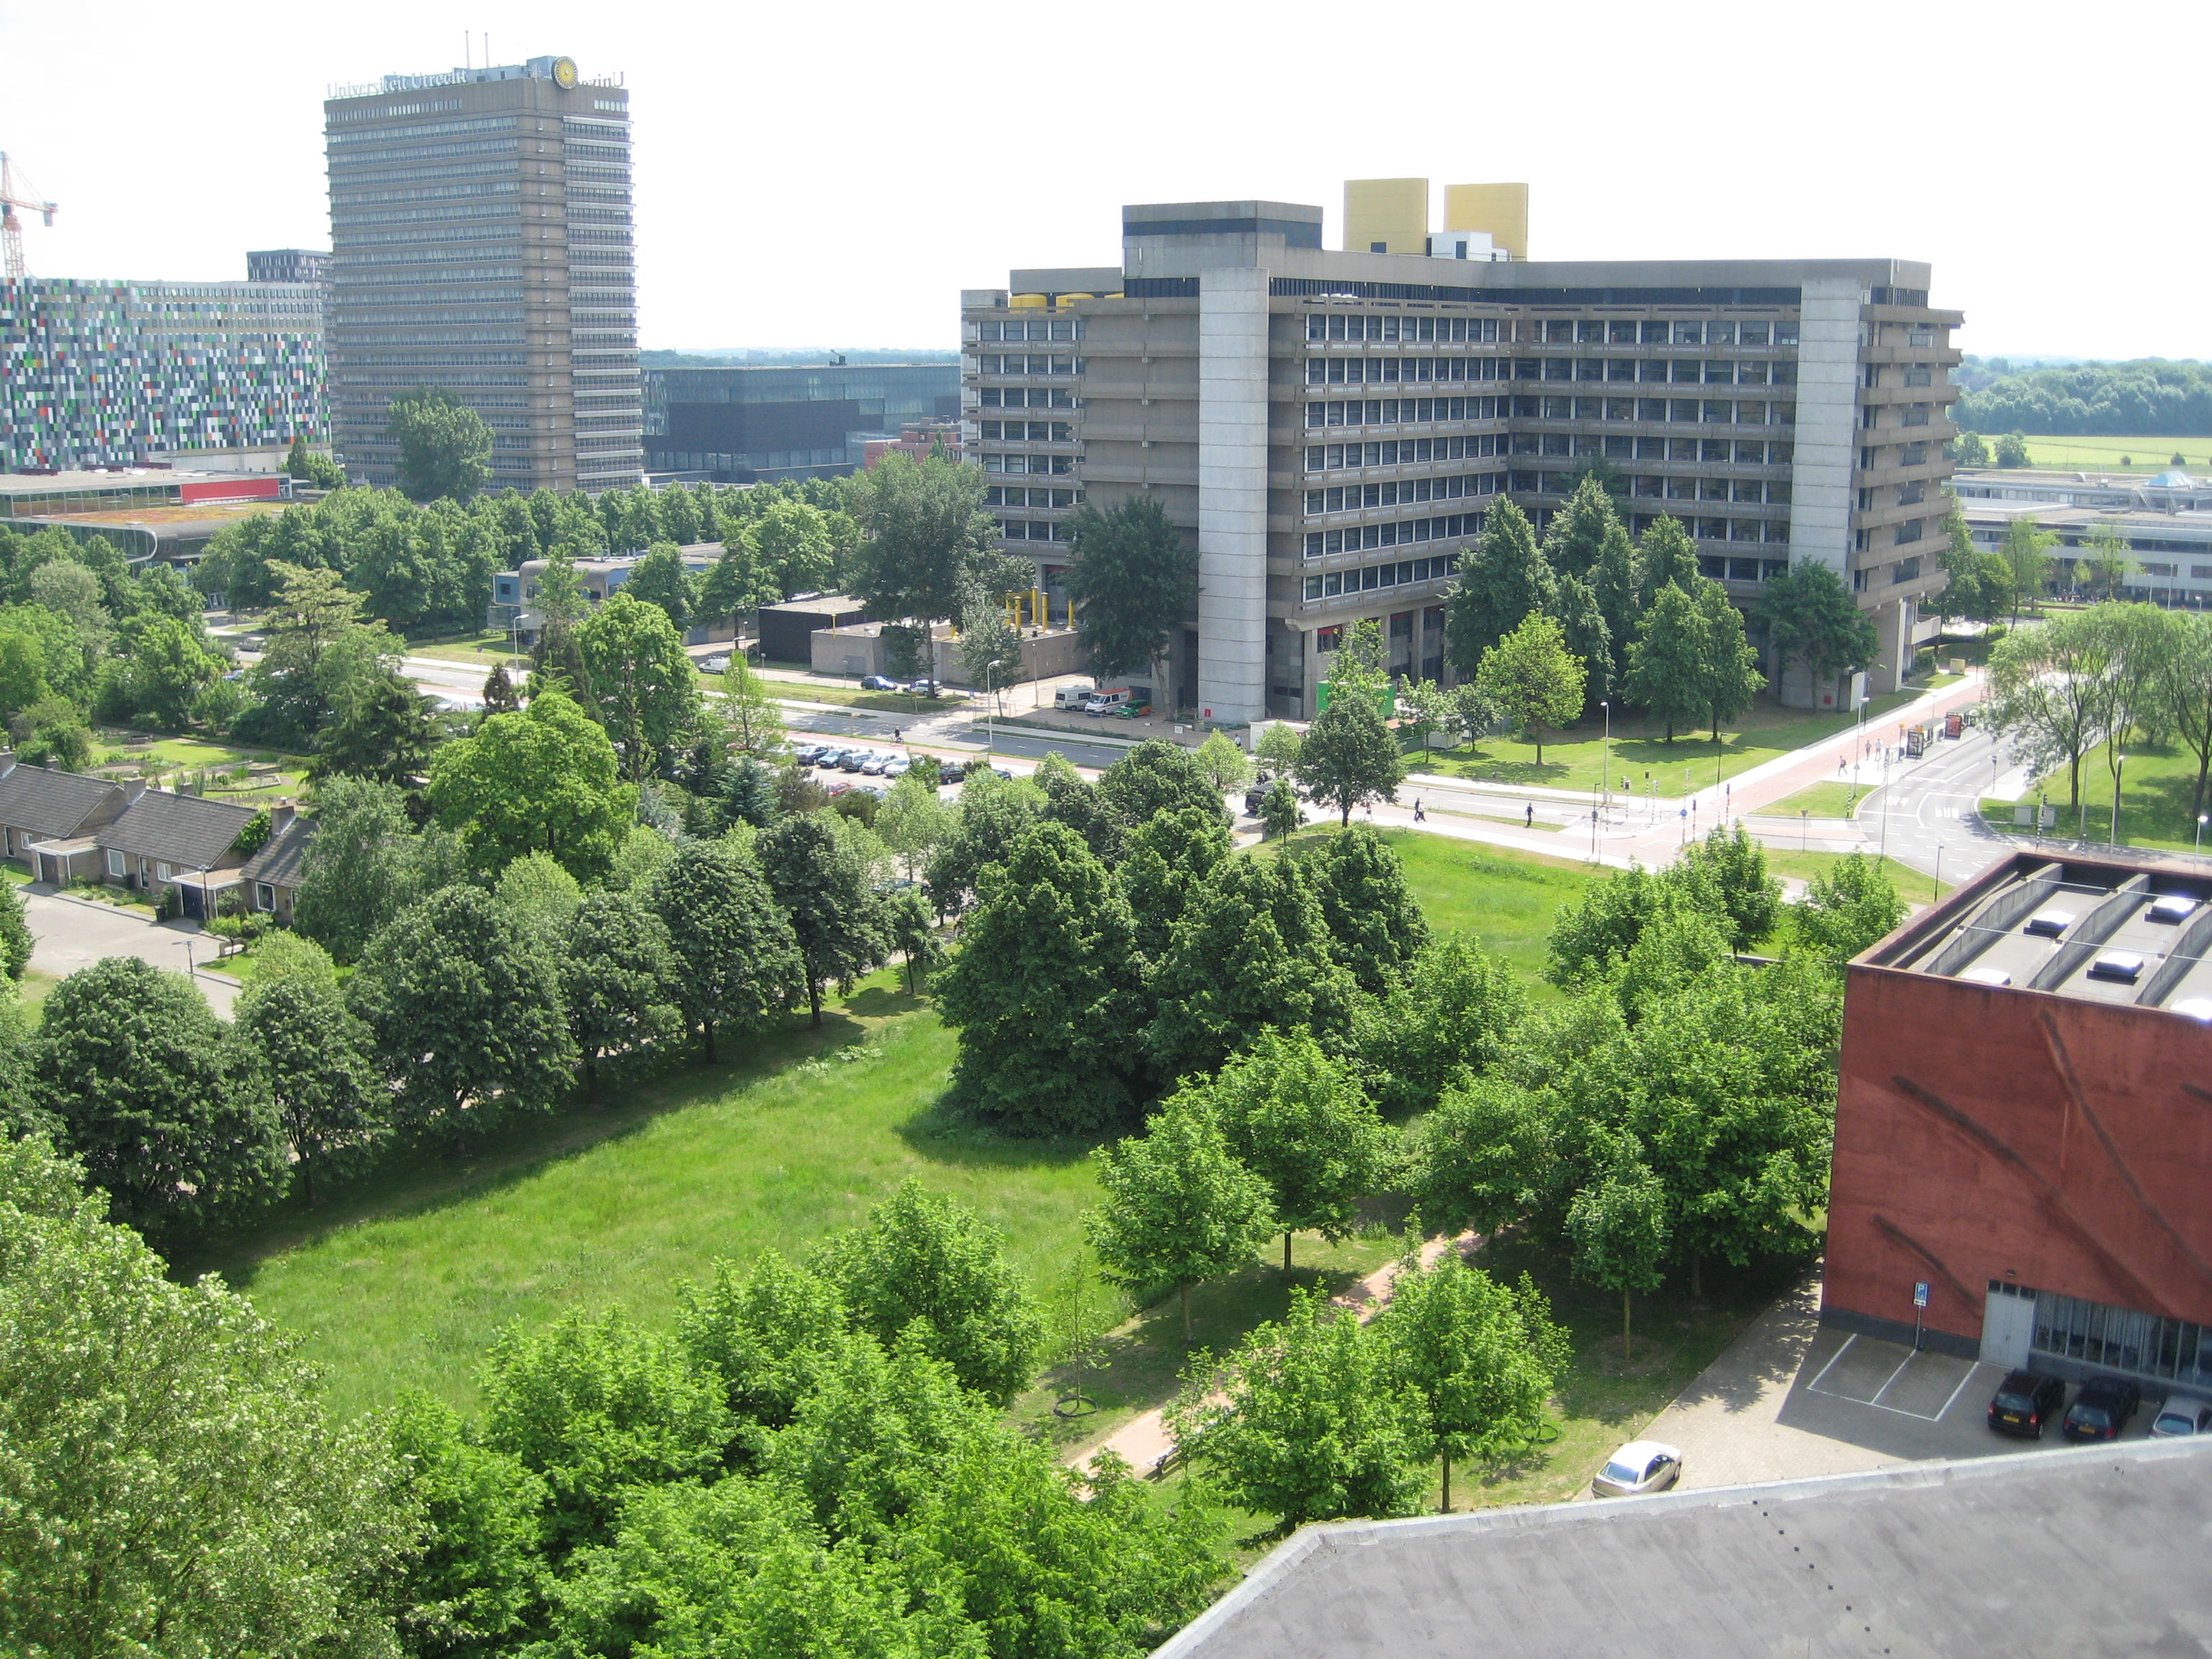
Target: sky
<point>833,175</point>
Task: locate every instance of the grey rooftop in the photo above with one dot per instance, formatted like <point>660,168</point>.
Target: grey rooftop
<point>2094,1549</point>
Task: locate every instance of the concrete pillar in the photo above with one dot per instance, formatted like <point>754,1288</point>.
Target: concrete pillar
<point>1232,495</point>
<point>1827,424</point>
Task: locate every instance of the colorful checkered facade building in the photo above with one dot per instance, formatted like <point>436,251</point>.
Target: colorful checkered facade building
<point>97,374</point>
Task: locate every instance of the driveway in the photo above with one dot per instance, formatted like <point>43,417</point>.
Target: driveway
<point>71,933</point>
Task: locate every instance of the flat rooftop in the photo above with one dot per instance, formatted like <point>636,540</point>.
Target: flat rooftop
<point>132,478</point>
<point>2126,928</point>
<point>2085,1550</point>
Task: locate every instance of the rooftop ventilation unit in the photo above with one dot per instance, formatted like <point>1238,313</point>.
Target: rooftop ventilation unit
<point>1986,976</point>
<point>2124,965</point>
<point>2049,924</point>
<point>2195,1008</point>
<point>2172,907</point>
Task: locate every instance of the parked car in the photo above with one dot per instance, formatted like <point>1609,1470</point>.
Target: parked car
<point>899,767</point>
<point>807,754</point>
<point>880,683</point>
<point>2025,1403</point>
<point>873,766</point>
<point>1104,702</point>
<point>853,760</point>
<point>949,771</point>
<point>1639,1467</point>
<point>2182,1415</point>
<point>717,664</point>
<point>2102,1409</point>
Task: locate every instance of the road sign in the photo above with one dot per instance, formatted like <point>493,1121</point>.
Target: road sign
<point>1920,1293</point>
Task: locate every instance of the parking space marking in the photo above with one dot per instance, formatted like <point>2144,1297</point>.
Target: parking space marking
<point>1874,1399</point>
<point>1956,1392</point>
<point>1814,1385</point>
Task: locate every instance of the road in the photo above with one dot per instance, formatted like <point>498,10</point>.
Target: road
<point>68,934</point>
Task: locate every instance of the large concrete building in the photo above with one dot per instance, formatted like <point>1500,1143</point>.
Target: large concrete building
<point>747,423</point>
<point>2165,522</point>
<point>481,243</point>
<point>110,374</point>
<point>1331,427</point>
<point>2020,1123</point>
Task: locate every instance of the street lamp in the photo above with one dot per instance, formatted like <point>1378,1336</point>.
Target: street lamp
<point>990,708</point>
<point>2119,765</point>
<point>2200,833</point>
<point>1605,773</point>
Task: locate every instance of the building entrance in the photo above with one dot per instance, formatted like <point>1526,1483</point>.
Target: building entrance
<point>2007,1324</point>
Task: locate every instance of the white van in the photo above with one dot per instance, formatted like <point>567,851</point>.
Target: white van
<point>1072,696</point>
<point>1104,702</point>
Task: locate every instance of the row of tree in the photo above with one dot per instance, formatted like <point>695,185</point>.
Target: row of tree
<point>2151,396</point>
<point>813,1462</point>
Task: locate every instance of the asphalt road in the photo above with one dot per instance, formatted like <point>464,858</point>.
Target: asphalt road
<point>68,934</point>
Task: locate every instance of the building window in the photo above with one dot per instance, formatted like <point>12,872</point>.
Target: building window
<point>116,866</point>
<point>264,896</point>
<point>161,872</point>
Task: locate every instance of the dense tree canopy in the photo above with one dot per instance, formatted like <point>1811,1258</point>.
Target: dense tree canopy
<point>1133,581</point>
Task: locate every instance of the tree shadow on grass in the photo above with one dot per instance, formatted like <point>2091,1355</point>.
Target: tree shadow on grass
<point>424,1176</point>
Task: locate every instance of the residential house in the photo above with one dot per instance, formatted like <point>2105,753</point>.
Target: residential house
<point>162,840</point>
<point>47,817</point>
<point>273,875</point>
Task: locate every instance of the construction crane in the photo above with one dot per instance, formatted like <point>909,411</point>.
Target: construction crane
<point>11,228</point>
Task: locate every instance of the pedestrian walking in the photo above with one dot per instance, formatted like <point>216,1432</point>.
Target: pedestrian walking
<point>1531,819</point>
<point>1419,817</point>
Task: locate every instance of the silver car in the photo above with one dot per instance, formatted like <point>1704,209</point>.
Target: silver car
<point>1639,1467</point>
<point>2182,1415</point>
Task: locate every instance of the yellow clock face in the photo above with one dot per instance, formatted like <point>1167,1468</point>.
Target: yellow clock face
<point>564,73</point>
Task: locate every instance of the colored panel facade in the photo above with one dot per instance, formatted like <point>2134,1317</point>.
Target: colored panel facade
<point>482,244</point>
<point>96,374</point>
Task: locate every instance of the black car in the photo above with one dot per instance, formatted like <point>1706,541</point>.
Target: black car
<point>2025,1402</point>
<point>951,772</point>
<point>810,753</point>
<point>2102,1409</point>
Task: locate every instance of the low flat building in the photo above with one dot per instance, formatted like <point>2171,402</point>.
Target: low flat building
<point>161,513</point>
<point>858,648</point>
<point>2021,1156</point>
<point>514,592</point>
<point>2169,546</point>
<point>787,630</point>
<point>2087,1550</point>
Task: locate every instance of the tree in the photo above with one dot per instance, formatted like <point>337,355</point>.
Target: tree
<point>499,693</point>
<point>639,681</point>
<point>1072,799</point>
<point>541,780</point>
<point>1373,917</point>
<point>1157,776</point>
<point>1350,755</point>
<point>824,890</point>
<point>15,941</point>
<point>1253,950</point>
<point>1669,558</point>
<point>1487,1157</point>
<point>619,980</point>
<point>312,1055</point>
<point>740,580</point>
<point>364,864</point>
<point>1300,1121</point>
<point>1667,664</point>
<point>1810,617</point>
<point>539,899</point>
<point>2104,564</point>
<point>479,1574</point>
<point>1226,766</point>
<point>2182,686</point>
<point>1978,585</point>
<point>1278,747</point>
<point>1575,540</point>
<point>1618,1226</point>
<point>465,1013</point>
<point>2012,450</point>
<point>748,717</point>
<point>796,547</point>
<point>661,579</point>
<point>1179,1208</point>
<point>1133,581</point>
<point>915,822</point>
<point>737,957</point>
<point>444,448</point>
<point>1847,907</point>
<point>1729,679</point>
<point>1481,1359</point>
<point>990,648</point>
<point>994,813</point>
<point>1043,991</point>
<point>385,733</point>
<point>929,543</point>
<point>2027,553</point>
<point>1451,1006</point>
<point>175,1484</point>
<point>2123,697</point>
<point>1593,936</point>
<point>1968,450</point>
<point>157,1099</point>
<point>1500,583</point>
<point>2043,695</point>
<point>910,929</point>
<point>1279,811</point>
<point>1311,1419</point>
<point>1587,639</point>
<point>768,1332</point>
<point>1617,582</point>
<point>1534,678</point>
<point>1166,862</point>
<point>920,1256</point>
<point>168,670</point>
<point>1729,868</point>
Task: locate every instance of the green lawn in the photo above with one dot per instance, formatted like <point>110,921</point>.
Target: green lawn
<point>2105,454</point>
<point>851,697</point>
<point>480,649</point>
<point>171,755</point>
<point>1642,758</point>
<point>2158,786</point>
<point>1822,800</point>
<point>1914,887</point>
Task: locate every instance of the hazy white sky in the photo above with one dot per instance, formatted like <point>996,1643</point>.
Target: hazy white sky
<point>832,175</point>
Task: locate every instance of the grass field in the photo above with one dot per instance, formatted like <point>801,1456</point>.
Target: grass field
<point>1641,755</point>
<point>170,756</point>
<point>2144,455</point>
<point>1912,886</point>
<point>851,697</point>
<point>1822,800</point>
<point>480,649</point>
<point>2158,784</point>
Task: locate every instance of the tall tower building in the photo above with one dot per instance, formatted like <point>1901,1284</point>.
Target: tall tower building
<point>481,242</point>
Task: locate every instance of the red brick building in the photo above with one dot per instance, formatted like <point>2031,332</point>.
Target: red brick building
<point>2024,1123</point>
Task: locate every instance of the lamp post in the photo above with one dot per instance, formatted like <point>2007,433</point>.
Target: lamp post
<point>2200,833</point>
<point>1605,773</point>
<point>990,710</point>
<point>2120,766</point>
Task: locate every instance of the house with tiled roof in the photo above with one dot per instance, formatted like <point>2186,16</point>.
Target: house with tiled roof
<point>47,817</point>
<point>273,875</point>
<point>189,843</point>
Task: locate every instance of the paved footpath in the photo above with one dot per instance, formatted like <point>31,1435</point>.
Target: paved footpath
<point>68,934</point>
<point>1142,1441</point>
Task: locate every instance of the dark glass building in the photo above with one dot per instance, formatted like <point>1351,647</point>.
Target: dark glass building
<point>741,424</point>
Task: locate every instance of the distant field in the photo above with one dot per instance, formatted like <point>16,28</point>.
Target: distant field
<point>2104,454</point>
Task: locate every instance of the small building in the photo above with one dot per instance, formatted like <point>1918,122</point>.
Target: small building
<point>858,648</point>
<point>514,592</point>
<point>47,817</point>
<point>785,630</point>
<point>272,877</point>
<point>187,843</point>
<point>2021,1156</point>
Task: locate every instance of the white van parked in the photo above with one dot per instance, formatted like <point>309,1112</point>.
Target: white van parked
<point>1072,696</point>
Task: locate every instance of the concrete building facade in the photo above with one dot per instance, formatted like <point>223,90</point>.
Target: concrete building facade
<point>1331,427</point>
<point>2164,524</point>
<point>2020,1123</point>
<point>481,243</point>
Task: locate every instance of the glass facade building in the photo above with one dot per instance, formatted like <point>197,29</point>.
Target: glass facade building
<point>101,373</point>
<point>482,244</point>
<point>744,424</point>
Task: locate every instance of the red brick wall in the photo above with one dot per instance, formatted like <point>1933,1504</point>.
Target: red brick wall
<point>1980,1130</point>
